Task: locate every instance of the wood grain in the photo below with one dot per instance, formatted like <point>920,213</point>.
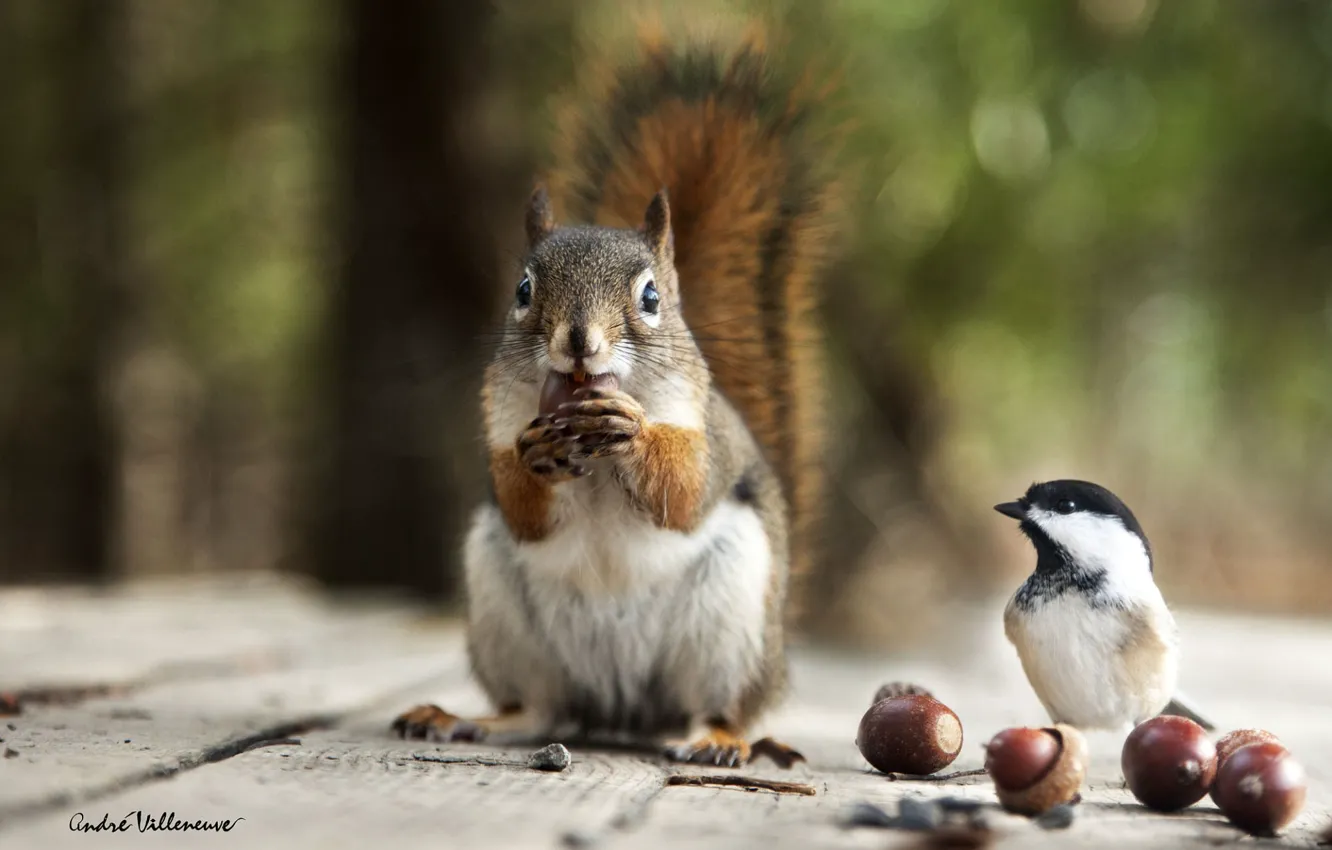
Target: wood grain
<point>274,705</point>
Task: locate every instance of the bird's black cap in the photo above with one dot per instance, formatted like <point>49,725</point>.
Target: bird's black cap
<point>1068,496</point>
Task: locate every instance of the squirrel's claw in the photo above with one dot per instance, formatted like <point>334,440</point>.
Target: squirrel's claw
<point>705,754</point>
<point>718,746</point>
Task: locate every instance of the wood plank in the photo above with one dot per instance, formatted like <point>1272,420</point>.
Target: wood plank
<point>352,784</point>
<point>165,629</point>
<point>208,675</point>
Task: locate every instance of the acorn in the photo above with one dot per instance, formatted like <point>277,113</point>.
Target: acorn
<point>1035,770</point>
<point>1261,788</point>
<point>559,389</point>
<point>1232,741</point>
<point>911,733</point>
<point>1168,762</point>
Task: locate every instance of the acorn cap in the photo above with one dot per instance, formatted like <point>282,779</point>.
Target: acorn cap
<point>1061,782</point>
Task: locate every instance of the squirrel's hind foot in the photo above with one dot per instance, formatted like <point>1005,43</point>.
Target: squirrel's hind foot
<point>719,745</point>
<point>782,755</point>
<point>432,723</point>
<point>723,746</point>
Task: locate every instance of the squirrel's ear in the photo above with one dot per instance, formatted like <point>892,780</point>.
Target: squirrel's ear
<point>540,219</point>
<point>657,227</point>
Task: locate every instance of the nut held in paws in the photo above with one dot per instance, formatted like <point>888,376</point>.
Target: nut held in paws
<point>560,388</point>
<point>912,733</point>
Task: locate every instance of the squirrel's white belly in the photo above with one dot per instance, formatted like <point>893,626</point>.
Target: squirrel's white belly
<point>643,619</point>
<point>1072,654</point>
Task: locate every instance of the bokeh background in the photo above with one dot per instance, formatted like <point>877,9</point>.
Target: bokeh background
<point>249,248</point>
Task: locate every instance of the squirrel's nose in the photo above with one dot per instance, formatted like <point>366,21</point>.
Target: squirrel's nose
<point>578,341</point>
<point>583,342</point>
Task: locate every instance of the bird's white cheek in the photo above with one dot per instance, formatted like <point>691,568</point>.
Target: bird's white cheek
<point>1092,539</point>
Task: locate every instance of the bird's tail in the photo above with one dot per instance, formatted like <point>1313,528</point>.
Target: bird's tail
<point>1180,706</point>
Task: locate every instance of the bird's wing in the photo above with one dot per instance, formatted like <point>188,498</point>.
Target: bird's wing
<point>1012,621</point>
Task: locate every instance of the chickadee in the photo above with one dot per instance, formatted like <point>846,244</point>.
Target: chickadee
<point>1095,637</point>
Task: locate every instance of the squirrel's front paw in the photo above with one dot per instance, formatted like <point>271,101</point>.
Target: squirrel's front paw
<point>600,423</point>
<point>548,451</point>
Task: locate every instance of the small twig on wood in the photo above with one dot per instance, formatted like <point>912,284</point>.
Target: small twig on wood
<point>935,777</point>
<point>748,783</point>
<point>480,761</point>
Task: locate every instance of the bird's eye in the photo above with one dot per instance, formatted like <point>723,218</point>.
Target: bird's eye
<point>524,295</point>
<point>1065,506</point>
<point>649,302</point>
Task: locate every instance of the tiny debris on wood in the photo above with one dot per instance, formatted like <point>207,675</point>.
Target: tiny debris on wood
<point>956,838</point>
<point>868,814</point>
<point>746,783</point>
<point>916,814</point>
<point>10,705</point>
<point>960,805</point>
<point>553,757</point>
<point>948,822</point>
<point>129,714</point>
<point>74,694</point>
<point>578,838</point>
<point>1060,817</point>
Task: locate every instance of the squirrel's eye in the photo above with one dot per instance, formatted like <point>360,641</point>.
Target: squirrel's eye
<point>525,292</point>
<point>1066,506</point>
<point>650,302</point>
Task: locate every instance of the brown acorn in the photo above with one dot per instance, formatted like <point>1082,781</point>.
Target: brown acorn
<point>1261,788</point>
<point>1168,762</point>
<point>559,389</point>
<point>911,733</point>
<point>1232,741</point>
<point>1035,770</point>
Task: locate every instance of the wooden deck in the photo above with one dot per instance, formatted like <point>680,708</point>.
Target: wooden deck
<point>264,702</point>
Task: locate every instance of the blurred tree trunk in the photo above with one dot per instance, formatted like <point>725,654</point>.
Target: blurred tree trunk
<point>403,464</point>
<point>63,257</point>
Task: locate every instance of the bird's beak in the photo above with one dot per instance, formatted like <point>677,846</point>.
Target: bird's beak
<point>1012,509</point>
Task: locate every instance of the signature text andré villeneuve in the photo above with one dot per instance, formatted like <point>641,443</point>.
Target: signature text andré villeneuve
<point>144,822</point>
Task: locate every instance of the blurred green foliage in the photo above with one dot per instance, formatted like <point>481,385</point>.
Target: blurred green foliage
<point>1105,223</point>
<point>1099,232</point>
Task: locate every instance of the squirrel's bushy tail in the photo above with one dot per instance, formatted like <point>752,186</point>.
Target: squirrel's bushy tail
<point>752,218</point>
